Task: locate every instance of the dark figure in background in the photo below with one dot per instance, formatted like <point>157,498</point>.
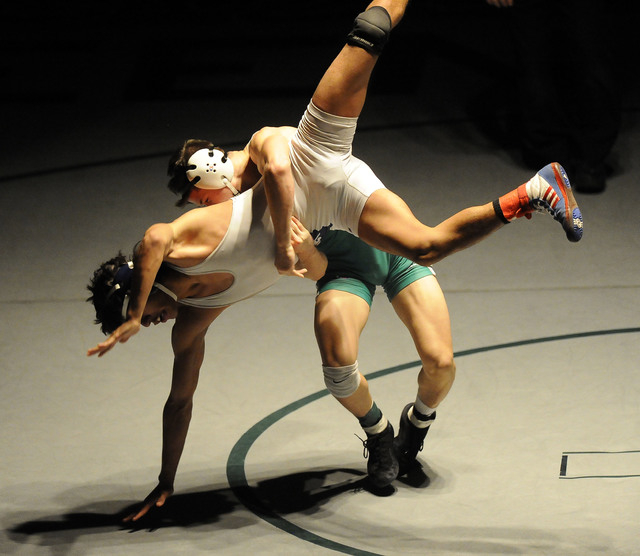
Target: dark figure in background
<point>568,97</point>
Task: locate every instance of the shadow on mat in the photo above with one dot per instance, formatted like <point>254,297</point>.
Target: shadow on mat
<point>181,510</point>
<point>307,491</point>
<point>303,492</point>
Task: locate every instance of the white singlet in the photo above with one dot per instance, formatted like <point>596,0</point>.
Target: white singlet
<point>331,188</point>
<point>332,185</point>
<point>247,251</point>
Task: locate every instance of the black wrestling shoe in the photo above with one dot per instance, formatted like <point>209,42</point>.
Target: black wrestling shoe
<point>382,466</point>
<point>410,440</point>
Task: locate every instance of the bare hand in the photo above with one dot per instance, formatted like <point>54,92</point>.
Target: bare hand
<point>301,239</point>
<point>157,498</point>
<point>119,335</point>
<point>285,262</point>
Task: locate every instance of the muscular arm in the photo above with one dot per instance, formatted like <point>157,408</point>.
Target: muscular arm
<point>188,341</point>
<point>154,247</point>
<point>152,250</point>
<point>269,150</point>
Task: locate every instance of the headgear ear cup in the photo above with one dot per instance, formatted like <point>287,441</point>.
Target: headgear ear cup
<point>122,281</point>
<point>210,169</point>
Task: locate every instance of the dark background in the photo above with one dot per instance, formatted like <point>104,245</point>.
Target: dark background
<point>66,62</point>
<point>120,52</point>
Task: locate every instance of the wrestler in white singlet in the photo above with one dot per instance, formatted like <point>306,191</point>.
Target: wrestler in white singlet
<point>246,251</point>
<point>331,188</point>
<point>332,185</point>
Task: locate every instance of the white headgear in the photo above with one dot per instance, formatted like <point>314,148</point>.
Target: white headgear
<point>210,169</point>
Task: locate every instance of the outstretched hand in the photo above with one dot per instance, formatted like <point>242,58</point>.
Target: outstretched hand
<point>156,498</point>
<point>119,335</point>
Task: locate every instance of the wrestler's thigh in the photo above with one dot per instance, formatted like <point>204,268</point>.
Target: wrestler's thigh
<point>339,320</point>
<point>423,309</point>
<point>386,222</point>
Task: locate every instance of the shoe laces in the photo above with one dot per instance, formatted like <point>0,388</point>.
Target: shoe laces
<point>370,445</point>
<point>541,205</point>
<point>543,196</point>
<point>365,446</point>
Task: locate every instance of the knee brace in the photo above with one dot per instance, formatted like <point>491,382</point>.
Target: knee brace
<point>342,381</point>
<point>371,30</point>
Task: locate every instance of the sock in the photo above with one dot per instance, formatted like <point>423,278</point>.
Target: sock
<point>374,421</point>
<point>421,415</point>
<point>514,204</point>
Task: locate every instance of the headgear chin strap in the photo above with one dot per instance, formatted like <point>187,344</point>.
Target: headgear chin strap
<point>165,290</point>
<point>127,298</point>
<point>210,168</point>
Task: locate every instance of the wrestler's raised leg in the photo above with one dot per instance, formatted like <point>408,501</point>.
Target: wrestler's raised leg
<point>387,222</point>
<point>342,90</point>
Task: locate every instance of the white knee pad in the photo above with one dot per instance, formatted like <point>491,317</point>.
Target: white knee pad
<point>342,381</point>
